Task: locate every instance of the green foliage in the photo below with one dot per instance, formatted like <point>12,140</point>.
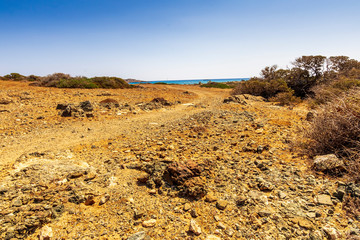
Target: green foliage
<point>216,85</point>
<point>62,80</point>
<point>110,82</point>
<point>14,77</point>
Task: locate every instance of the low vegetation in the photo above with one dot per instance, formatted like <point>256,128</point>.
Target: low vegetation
<point>313,77</point>
<point>216,85</point>
<point>62,80</point>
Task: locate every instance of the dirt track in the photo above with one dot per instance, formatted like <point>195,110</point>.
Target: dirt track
<point>62,137</point>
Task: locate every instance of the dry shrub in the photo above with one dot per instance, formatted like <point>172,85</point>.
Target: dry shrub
<point>352,206</point>
<point>259,87</point>
<point>285,98</point>
<point>336,129</point>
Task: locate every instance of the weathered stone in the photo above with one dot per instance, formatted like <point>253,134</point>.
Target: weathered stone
<point>210,198</point>
<point>187,207</point>
<point>104,199</point>
<point>149,223</point>
<point>323,199</point>
<point>139,236</point>
<point>332,233</point>
<point>328,163</point>
<point>46,233</point>
<point>221,204</point>
<point>212,237</point>
<point>194,227</point>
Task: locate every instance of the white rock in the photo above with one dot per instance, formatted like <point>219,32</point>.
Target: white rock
<point>46,233</point>
<point>194,227</point>
<point>149,223</point>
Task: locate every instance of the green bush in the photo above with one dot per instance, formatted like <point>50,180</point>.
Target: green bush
<point>216,85</point>
<point>14,77</point>
<point>110,82</point>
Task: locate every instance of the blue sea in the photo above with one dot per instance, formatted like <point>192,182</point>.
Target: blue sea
<point>196,81</point>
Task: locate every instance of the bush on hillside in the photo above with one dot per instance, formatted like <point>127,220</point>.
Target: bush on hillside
<point>260,87</point>
<point>336,129</point>
<point>110,82</point>
<point>76,83</point>
<point>14,77</point>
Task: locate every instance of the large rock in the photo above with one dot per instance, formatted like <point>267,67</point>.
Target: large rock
<point>328,163</point>
<point>236,99</point>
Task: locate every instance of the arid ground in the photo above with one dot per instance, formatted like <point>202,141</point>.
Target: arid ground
<point>185,166</point>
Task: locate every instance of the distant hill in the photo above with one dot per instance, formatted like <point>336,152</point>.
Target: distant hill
<point>131,80</point>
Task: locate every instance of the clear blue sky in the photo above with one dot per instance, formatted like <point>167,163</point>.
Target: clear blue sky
<point>171,39</point>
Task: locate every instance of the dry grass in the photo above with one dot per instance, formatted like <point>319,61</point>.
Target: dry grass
<point>336,129</point>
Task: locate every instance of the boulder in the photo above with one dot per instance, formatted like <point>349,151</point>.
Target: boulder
<point>328,163</point>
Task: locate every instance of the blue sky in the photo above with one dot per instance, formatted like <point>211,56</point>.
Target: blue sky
<point>171,39</point>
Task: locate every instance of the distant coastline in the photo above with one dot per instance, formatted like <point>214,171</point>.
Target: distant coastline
<point>193,81</point>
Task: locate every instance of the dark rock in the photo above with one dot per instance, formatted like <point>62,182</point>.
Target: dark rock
<point>86,106</point>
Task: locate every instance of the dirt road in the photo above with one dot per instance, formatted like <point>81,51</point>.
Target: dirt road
<point>61,137</point>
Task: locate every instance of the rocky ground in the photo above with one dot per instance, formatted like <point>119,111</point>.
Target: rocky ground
<point>160,162</point>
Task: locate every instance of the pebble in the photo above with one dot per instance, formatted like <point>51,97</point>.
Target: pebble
<point>149,223</point>
<point>221,204</point>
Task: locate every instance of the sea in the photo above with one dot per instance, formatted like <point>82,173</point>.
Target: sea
<point>194,81</point>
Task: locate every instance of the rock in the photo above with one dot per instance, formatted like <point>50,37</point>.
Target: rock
<point>187,207</point>
<point>162,101</point>
<point>104,199</point>
<point>149,223</point>
<point>310,116</point>
<point>143,178</point>
<point>282,195</point>
<point>180,172</point>
<point>17,202</point>
<point>210,198</point>
<point>328,163</point>
<point>212,237</point>
<point>89,201</point>
<point>221,225</point>
<point>221,204</point>
<point>62,106</point>
<point>304,223</point>
<point>109,103</point>
<point>138,214</point>
<point>86,106</point>
<point>323,199</point>
<point>241,201</point>
<point>5,101</point>
<point>240,99</point>
<point>194,227</point>
<point>193,213</point>
<point>46,233</point>
<point>332,233</point>
<point>139,236</point>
